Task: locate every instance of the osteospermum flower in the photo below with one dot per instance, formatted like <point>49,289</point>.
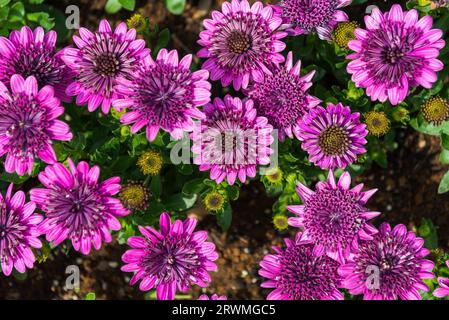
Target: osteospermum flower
<point>334,216</point>
<point>18,232</point>
<point>172,259</point>
<point>240,42</point>
<point>307,16</point>
<point>28,124</point>
<point>443,290</point>
<point>232,140</point>
<point>134,196</point>
<point>299,272</point>
<point>435,110</point>
<point>333,137</point>
<point>77,206</point>
<point>377,123</point>
<point>212,297</point>
<point>395,53</point>
<point>164,94</point>
<point>282,97</point>
<point>150,162</point>
<point>99,60</point>
<point>389,267</point>
<point>33,53</point>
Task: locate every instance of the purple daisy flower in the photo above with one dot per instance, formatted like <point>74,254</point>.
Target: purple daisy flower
<point>99,60</point>
<point>172,259</point>
<point>395,53</point>
<point>33,53</point>
<point>18,232</point>
<point>443,290</point>
<point>299,272</point>
<point>240,42</point>
<point>307,16</point>
<point>77,206</point>
<point>164,94</point>
<point>212,297</point>
<point>282,97</point>
<point>334,217</point>
<point>389,267</point>
<point>332,137</point>
<point>28,124</point>
<point>232,140</point>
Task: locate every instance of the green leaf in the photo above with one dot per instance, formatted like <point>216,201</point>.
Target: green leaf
<point>156,187</point>
<point>42,18</point>
<point>445,141</point>
<point>17,12</point>
<point>224,218</point>
<point>175,6</point>
<point>4,2</point>
<point>428,231</point>
<point>90,296</point>
<point>233,192</point>
<point>444,184</point>
<point>113,6</point>
<point>162,41</point>
<point>181,202</point>
<point>193,186</point>
<point>128,4</point>
<point>444,157</point>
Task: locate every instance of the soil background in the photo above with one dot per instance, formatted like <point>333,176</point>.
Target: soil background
<point>407,193</point>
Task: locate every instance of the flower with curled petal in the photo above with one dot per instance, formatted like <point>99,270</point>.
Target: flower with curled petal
<point>173,259</point>
<point>240,42</point>
<point>388,267</point>
<point>18,232</point>
<point>307,16</point>
<point>282,97</point>
<point>77,206</point>
<point>300,272</point>
<point>28,124</point>
<point>165,94</point>
<point>99,60</point>
<point>397,52</point>
<point>334,216</point>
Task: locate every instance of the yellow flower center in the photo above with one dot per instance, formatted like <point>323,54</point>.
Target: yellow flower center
<point>214,201</point>
<point>280,221</point>
<point>134,196</point>
<point>150,163</point>
<point>137,22</point>
<point>275,176</point>
<point>344,32</point>
<point>435,110</point>
<point>334,141</point>
<point>377,123</point>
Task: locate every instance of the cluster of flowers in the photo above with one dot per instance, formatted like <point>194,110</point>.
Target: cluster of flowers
<point>241,45</point>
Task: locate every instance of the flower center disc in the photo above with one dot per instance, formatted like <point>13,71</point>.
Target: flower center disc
<point>107,65</point>
<point>333,141</point>
<point>238,42</point>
